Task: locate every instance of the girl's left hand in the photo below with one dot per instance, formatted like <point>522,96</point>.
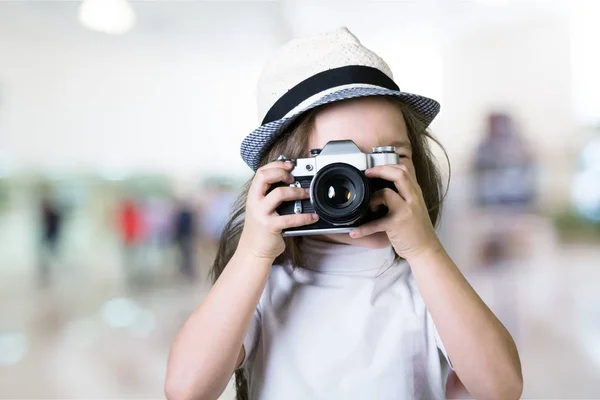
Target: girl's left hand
<point>407,223</point>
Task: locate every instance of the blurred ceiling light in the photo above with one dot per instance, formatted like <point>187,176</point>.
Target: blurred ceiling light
<point>114,17</point>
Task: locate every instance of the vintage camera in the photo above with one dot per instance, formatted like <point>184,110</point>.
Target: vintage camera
<point>339,190</point>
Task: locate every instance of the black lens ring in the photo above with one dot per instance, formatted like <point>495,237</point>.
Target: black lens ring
<point>359,205</point>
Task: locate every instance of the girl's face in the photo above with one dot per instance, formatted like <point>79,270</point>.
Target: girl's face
<point>369,122</point>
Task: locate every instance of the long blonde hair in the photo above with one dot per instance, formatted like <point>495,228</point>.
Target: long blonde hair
<point>293,143</point>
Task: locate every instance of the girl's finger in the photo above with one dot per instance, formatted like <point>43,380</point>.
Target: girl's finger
<point>281,194</point>
<point>287,165</point>
<point>280,222</point>
<point>407,164</point>
<point>386,197</point>
<point>379,225</point>
<point>265,177</point>
<point>400,175</point>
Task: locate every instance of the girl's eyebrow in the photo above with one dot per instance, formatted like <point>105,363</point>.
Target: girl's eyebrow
<point>403,143</point>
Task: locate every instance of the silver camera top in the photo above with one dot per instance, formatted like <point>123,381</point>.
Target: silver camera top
<point>347,152</point>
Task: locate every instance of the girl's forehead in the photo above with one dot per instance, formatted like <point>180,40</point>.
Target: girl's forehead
<point>369,122</point>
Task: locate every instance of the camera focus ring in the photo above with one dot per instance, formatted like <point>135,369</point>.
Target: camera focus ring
<point>340,194</point>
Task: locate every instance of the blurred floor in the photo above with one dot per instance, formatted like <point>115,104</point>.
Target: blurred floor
<point>89,336</point>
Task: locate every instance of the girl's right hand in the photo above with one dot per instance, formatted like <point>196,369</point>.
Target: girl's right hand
<point>261,236</point>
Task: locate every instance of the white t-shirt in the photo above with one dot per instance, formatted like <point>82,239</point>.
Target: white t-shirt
<point>352,325</point>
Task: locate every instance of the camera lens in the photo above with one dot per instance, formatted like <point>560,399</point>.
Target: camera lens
<point>340,194</point>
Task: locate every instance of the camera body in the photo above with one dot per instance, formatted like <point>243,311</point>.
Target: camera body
<point>340,192</point>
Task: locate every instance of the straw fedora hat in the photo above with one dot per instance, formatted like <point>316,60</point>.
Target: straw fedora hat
<point>313,71</point>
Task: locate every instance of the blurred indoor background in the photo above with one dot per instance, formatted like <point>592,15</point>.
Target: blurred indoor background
<point>120,125</point>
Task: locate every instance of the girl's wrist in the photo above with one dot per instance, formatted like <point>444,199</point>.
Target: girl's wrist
<point>245,256</point>
<point>426,255</point>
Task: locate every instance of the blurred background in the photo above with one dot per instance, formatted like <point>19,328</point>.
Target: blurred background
<point>120,125</point>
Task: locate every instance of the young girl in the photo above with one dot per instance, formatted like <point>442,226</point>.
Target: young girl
<point>380,313</point>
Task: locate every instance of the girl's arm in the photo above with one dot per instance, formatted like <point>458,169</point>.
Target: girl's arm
<point>208,348</point>
<point>482,352</point>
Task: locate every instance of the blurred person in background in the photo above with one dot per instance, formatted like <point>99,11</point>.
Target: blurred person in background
<point>504,184</point>
<point>131,231</point>
<point>216,211</point>
<point>51,228</point>
<point>158,219</point>
<point>381,312</point>
<point>504,168</point>
<point>184,235</point>
<point>504,191</point>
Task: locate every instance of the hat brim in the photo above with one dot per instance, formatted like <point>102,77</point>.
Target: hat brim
<point>256,143</point>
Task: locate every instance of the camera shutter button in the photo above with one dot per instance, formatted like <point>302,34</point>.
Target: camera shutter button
<point>284,158</point>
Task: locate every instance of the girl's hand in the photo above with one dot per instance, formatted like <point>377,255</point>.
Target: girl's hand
<point>261,236</point>
<point>407,223</point>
